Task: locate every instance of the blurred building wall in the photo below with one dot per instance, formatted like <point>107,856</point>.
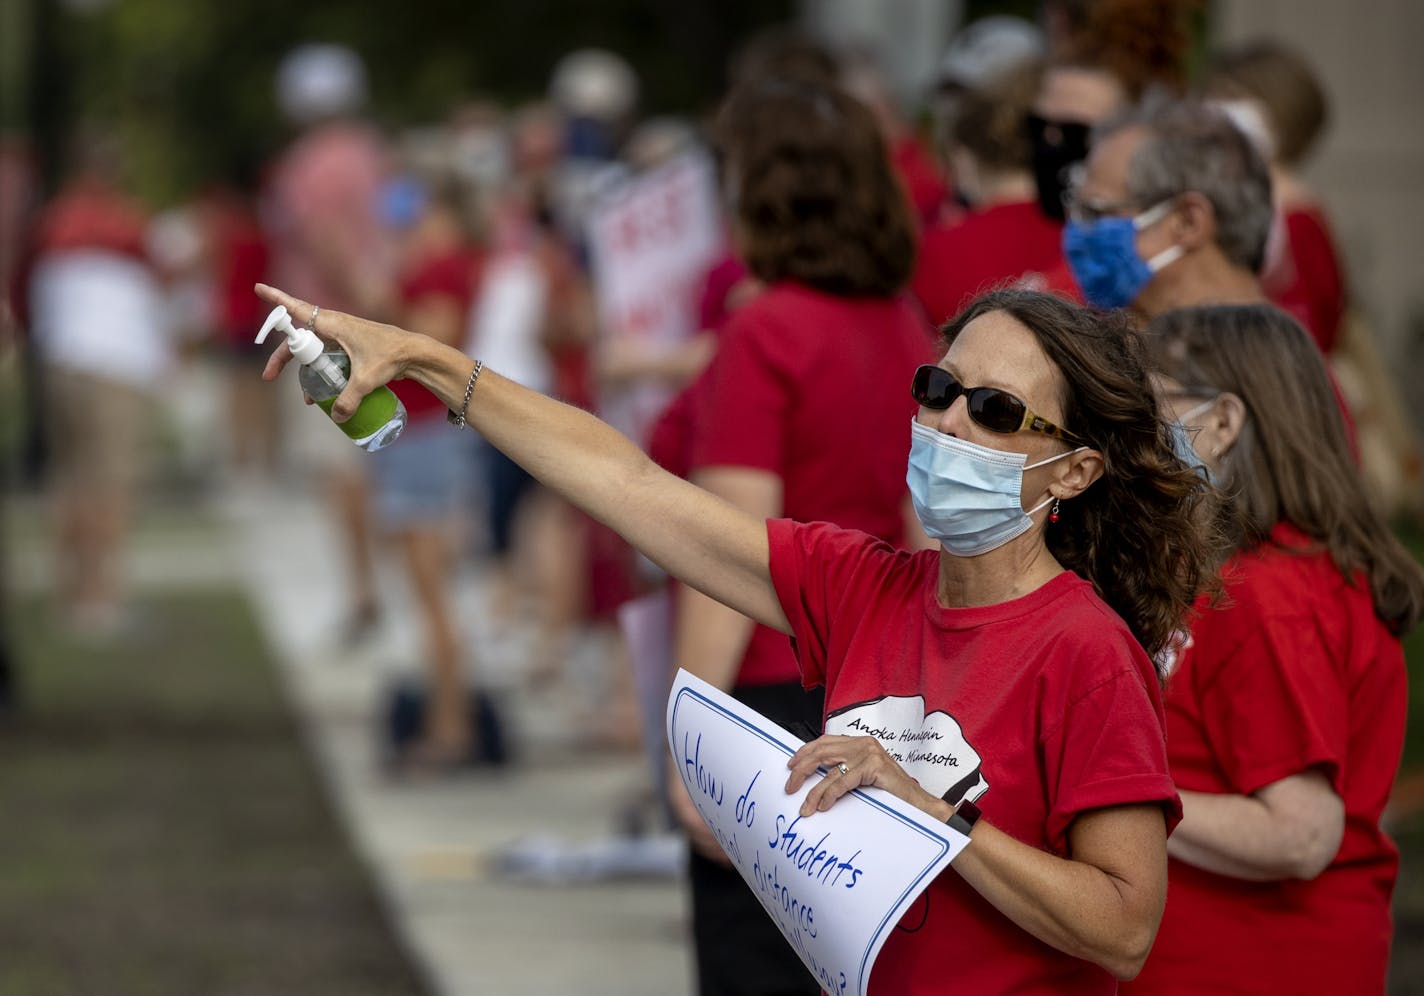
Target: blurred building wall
<point>1369,166</point>
<point>907,36</point>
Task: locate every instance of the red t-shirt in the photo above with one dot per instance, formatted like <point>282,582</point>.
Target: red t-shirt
<point>1308,282</point>
<point>242,258</point>
<point>713,305</point>
<point>815,389</point>
<point>89,215</point>
<point>1038,709</point>
<point>86,214</point>
<point>451,275</point>
<point>1292,671</point>
<point>920,175</point>
<point>984,251</point>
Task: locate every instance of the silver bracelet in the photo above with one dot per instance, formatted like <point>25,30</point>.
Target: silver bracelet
<point>458,421</point>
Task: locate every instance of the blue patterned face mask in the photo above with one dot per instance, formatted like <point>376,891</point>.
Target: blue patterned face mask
<point>968,496</point>
<point>1182,441</point>
<point>1103,256</point>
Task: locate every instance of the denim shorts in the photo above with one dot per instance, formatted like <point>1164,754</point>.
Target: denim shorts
<point>426,476</point>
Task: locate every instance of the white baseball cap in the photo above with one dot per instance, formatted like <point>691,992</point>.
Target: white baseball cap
<point>595,83</point>
<point>318,81</point>
<point>987,50</point>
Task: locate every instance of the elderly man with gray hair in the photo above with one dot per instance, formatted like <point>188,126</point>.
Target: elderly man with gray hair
<point>1171,209</point>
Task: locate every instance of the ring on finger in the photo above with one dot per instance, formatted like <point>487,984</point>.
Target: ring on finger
<point>311,322</point>
<point>843,768</point>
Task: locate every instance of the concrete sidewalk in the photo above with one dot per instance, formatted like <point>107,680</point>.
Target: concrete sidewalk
<point>430,843</point>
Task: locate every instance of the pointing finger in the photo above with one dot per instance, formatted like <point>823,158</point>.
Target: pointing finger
<point>299,310</point>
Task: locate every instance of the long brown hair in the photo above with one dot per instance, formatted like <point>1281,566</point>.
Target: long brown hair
<point>815,197</point>
<point>1136,533</point>
<point>1292,461</point>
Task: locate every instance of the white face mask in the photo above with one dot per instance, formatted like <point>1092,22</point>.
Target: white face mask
<point>968,496</point>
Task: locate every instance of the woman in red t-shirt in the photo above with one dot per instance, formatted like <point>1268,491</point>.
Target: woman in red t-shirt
<point>1286,700</point>
<point>1070,551</point>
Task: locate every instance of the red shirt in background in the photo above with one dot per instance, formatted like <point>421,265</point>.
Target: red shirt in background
<point>716,303</point>
<point>815,389</point>
<point>86,214</point>
<point>453,274</point>
<point>921,177</point>
<point>90,215</point>
<point>1038,709</point>
<point>241,258</point>
<point>1290,672</point>
<point>986,250</point>
<point>1308,281</point>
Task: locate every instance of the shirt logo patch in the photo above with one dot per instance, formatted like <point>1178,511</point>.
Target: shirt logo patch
<point>933,749</point>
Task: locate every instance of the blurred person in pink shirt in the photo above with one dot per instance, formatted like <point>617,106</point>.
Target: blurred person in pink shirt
<point>321,209</point>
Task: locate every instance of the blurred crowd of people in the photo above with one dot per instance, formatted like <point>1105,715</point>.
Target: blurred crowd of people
<point>1075,155</point>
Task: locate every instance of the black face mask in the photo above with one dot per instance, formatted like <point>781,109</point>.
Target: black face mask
<point>1057,145</point>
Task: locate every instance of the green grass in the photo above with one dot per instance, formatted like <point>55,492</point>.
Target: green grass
<point>162,829</point>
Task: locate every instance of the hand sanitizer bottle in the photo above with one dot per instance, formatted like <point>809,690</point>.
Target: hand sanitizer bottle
<point>380,416</point>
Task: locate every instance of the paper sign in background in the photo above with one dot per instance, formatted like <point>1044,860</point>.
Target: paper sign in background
<point>835,883</point>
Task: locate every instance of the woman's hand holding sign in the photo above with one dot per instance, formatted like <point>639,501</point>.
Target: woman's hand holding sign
<point>854,762</point>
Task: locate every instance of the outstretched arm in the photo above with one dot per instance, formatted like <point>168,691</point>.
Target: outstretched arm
<point>696,537</point>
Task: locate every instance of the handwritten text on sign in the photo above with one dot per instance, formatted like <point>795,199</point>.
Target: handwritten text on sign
<point>835,883</point>
<point>651,242</point>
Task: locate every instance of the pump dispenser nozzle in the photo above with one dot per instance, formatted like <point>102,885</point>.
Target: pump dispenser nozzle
<point>304,343</point>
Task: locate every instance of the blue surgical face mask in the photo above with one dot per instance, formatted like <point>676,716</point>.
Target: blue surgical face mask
<point>968,496</point>
<point>1182,441</point>
<point>1103,256</point>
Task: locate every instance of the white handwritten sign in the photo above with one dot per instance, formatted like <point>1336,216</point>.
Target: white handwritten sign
<point>835,883</point>
<point>652,240</point>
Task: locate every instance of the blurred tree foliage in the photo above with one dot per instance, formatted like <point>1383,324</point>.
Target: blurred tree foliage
<point>188,83</point>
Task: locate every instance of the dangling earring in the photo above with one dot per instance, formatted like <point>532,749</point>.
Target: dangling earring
<point>1053,512</point>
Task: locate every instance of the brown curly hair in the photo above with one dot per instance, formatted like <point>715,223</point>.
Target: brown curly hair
<point>1144,44</point>
<point>1141,533</point>
<point>810,183</point>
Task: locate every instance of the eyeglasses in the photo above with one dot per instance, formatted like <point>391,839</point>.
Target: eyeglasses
<point>1085,211</point>
<point>998,411</point>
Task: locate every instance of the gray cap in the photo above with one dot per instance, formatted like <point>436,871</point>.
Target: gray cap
<point>986,51</point>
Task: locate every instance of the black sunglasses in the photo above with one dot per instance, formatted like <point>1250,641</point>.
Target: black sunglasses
<point>998,411</point>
